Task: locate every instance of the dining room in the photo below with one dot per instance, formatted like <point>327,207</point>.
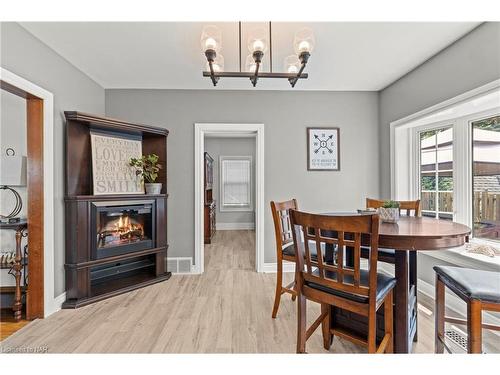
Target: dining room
<point>312,193</point>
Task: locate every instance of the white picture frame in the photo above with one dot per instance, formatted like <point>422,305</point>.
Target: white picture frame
<point>323,149</point>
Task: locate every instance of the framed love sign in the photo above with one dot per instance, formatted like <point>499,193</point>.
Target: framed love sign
<point>323,152</point>
<point>111,171</point>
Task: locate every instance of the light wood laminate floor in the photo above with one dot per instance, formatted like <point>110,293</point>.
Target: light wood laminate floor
<point>225,310</point>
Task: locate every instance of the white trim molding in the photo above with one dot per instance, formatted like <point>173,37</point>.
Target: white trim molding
<point>235,226</point>
<point>236,130</point>
<point>51,303</point>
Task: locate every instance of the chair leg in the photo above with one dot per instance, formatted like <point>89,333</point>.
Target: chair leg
<point>301,324</point>
<point>474,333</point>
<point>389,321</point>
<point>413,281</point>
<point>372,330</point>
<point>279,286</point>
<point>325,327</point>
<point>294,287</point>
<point>439,308</point>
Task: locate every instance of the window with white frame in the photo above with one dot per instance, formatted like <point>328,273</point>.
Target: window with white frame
<point>450,160</point>
<point>436,172</point>
<point>235,183</point>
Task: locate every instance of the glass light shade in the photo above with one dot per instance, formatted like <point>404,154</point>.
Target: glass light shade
<point>292,64</point>
<point>303,41</point>
<point>218,64</point>
<point>211,38</point>
<point>258,40</point>
<point>250,64</point>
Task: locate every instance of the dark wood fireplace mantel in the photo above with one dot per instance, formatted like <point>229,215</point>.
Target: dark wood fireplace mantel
<point>90,278</point>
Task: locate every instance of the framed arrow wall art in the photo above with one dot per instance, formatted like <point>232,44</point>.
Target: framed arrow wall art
<point>323,149</point>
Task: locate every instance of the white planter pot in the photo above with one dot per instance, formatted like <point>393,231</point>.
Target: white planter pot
<point>389,215</point>
<point>153,189</point>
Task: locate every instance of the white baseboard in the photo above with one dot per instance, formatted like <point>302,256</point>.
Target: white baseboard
<point>272,267</point>
<point>56,304</point>
<point>235,226</point>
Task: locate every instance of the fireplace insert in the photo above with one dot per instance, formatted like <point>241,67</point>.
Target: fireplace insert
<point>122,227</point>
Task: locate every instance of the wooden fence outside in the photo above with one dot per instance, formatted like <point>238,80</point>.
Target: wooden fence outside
<point>486,204</point>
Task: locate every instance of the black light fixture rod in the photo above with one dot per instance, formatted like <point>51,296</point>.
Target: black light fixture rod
<point>251,74</point>
<point>256,74</point>
<point>212,73</point>
<point>239,39</point>
<point>270,49</point>
<point>294,80</point>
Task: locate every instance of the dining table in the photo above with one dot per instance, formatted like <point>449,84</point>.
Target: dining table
<point>408,236</point>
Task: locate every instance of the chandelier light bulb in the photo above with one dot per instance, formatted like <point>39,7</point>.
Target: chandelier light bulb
<point>258,45</point>
<point>303,41</point>
<point>257,40</point>
<point>292,64</point>
<point>210,43</point>
<point>304,46</point>
<point>211,38</point>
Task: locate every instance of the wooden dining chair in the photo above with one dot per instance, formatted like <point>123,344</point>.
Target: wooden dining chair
<point>335,283</point>
<point>285,249</point>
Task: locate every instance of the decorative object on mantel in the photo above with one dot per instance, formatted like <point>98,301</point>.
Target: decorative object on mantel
<point>147,167</point>
<point>323,149</point>
<point>13,173</point>
<point>259,42</point>
<point>389,212</point>
<point>111,171</point>
<point>483,249</point>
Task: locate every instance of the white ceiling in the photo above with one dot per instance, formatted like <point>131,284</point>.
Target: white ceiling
<point>347,56</point>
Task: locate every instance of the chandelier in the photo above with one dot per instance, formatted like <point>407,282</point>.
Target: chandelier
<point>259,43</point>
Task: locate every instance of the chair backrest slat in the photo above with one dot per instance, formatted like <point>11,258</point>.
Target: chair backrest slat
<point>282,225</point>
<point>343,231</point>
<point>357,257</point>
<point>412,208</point>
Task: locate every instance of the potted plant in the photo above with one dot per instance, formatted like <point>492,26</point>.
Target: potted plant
<point>389,212</point>
<point>148,167</point>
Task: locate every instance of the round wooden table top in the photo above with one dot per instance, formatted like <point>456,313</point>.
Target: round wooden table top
<point>420,233</point>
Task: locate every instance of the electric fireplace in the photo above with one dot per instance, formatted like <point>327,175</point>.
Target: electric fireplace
<point>122,227</point>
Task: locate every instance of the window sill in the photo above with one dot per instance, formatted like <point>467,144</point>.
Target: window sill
<point>235,209</point>
<point>459,257</point>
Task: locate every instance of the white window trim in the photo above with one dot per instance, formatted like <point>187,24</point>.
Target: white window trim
<point>226,208</point>
<point>405,164</point>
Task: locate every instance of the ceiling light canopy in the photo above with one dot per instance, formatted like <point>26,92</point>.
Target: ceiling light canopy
<point>259,43</point>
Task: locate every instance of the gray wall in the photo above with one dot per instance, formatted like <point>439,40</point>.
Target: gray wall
<point>217,147</point>
<point>470,62</point>
<point>285,115</point>
<point>24,55</point>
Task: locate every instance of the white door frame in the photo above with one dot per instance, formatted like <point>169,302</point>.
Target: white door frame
<point>235,130</point>
<point>51,304</point>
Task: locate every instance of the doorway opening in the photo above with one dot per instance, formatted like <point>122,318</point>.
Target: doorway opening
<point>229,193</point>
<point>38,107</point>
